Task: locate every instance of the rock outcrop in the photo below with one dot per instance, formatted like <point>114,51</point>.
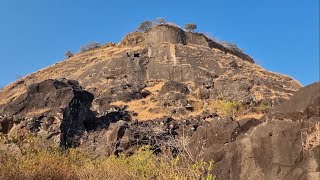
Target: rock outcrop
<point>57,109</point>
<point>276,148</point>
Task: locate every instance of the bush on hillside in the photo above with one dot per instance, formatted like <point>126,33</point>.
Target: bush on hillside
<point>190,27</point>
<point>87,47</point>
<point>68,54</point>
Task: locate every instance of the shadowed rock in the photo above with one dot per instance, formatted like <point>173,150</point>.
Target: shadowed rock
<point>75,117</point>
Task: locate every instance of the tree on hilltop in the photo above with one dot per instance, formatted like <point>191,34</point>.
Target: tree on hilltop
<point>190,27</point>
<point>145,25</point>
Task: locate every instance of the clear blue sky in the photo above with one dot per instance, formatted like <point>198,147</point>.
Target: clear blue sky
<point>282,35</point>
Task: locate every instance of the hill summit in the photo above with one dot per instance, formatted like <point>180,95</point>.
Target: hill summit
<point>145,69</point>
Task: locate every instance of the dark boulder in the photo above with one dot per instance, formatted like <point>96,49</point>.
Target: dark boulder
<point>75,116</point>
<point>126,92</point>
<point>174,86</point>
<point>54,108</point>
<point>303,105</point>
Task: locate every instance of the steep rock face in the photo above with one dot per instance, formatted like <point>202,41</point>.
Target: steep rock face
<point>279,148</point>
<point>165,34</point>
<point>77,117</point>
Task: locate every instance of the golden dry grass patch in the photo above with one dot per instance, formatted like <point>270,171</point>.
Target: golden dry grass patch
<point>142,107</point>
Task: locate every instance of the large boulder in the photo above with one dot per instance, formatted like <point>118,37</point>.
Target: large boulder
<point>284,144</point>
<point>303,105</point>
<point>77,117</point>
<point>51,94</point>
<point>57,109</point>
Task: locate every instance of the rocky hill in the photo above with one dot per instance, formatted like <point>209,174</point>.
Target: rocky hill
<point>137,73</point>
<point>167,87</point>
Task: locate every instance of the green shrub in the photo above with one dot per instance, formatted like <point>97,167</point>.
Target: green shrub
<point>228,108</point>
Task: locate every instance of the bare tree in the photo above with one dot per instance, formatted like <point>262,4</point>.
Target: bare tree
<point>19,76</point>
<point>190,27</point>
<point>145,25</point>
<point>68,54</point>
<point>160,20</point>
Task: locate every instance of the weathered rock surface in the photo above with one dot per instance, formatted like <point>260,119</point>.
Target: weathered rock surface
<point>52,108</point>
<point>303,105</point>
<point>283,147</point>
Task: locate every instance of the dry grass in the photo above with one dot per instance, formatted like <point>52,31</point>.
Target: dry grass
<point>142,107</point>
<point>148,108</point>
<point>223,108</point>
<point>56,164</point>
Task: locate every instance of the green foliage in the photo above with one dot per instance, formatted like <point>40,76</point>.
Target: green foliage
<point>228,108</point>
<point>190,27</point>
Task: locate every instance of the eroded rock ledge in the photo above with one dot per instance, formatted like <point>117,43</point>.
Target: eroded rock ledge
<point>166,33</point>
